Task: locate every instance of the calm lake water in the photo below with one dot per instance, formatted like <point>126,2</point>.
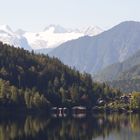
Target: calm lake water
<point>96,127</point>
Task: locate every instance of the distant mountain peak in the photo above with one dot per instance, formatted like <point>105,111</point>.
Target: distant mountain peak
<point>91,30</point>
<point>7,36</point>
<point>52,36</point>
<point>6,28</point>
<point>20,32</point>
<point>55,29</point>
<point>126,25</point>
<point>130,22</point>
<point>95,53</point>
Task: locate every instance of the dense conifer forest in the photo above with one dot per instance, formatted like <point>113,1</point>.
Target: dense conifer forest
<point>32,80</point>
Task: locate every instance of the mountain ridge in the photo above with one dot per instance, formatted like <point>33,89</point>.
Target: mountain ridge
<point>128,81</point>
<point>91,54</point>
<point>115,71</point>
<point>51,37</point>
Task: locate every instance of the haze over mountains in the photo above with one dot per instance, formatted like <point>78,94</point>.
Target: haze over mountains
<point>51,37</point>
<point>128,81</point>
<point>82,50</point>
<point>127,69</point>
<point>124,76</point>
<point>92,54</point>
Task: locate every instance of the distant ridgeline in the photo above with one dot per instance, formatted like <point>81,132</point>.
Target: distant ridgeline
<point>35,81</point>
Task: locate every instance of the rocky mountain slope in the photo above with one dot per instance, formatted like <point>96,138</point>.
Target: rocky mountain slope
<point>92,54</point>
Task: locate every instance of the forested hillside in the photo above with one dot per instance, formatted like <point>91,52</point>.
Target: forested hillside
<point>128,81</point>
<point>116,71</point>
<point>40,80</point>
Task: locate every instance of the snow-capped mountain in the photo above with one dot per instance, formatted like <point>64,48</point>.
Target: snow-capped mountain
<point>57,29</point>
<point>9,37</point>
<point>20,32</point>
<point>51,37</point>
<point>91,30</point>
<point>54,35</point>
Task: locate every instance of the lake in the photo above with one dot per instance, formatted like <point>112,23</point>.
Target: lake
<point>95,127</point>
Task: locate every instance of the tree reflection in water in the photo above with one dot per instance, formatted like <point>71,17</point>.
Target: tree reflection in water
<point>95,127</point>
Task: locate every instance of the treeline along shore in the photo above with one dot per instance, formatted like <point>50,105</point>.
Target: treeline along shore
<point>37,82</point>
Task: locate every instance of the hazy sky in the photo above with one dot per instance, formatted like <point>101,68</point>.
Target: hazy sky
<point>34,15</point>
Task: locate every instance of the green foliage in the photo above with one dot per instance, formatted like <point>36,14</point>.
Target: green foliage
<point>135,101</point>
<point>43,79</point>
<point>11,96</point>
<point>126,86</point>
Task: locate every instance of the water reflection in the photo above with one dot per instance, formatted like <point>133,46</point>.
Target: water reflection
<point>97,127</point>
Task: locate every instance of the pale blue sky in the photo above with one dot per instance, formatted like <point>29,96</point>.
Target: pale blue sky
<point>34,15</point>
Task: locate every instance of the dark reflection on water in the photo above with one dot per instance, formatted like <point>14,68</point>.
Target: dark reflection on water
<point>97,127</point>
